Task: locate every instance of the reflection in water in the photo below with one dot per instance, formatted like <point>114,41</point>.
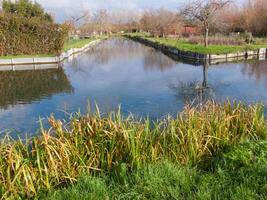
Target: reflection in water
<point>154,61</point>
<point>195,92</point>
<point>27,86</point>
<point>257,70</point>
<point>121,49</point>
<point>116,72</point>
<point>114,49</point>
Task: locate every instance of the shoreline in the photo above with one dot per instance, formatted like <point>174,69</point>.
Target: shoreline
<point>260,54</point>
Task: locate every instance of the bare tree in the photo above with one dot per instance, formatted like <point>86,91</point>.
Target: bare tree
<point>204,11</point>
<point>254,17</point>
<point>160,22</point>
<point>84,15</point>
<point>101,19</point>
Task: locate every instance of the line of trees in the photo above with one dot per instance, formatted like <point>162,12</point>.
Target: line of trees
<point>161,22</point>
<point>251,17</point>
<point>196,16</point>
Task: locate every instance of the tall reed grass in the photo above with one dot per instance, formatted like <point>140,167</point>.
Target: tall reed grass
<point>96,144</point>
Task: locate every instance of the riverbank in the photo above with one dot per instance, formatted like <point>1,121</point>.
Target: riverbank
<point>116,147</point>
<point>212,55</point>
<point>71,47</point>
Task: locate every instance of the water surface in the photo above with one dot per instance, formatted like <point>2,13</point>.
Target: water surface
<point>143,81</point>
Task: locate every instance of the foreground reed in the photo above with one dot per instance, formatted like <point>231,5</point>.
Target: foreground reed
<point>95,144</point>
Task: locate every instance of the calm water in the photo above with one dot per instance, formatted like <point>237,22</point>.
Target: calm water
<point>120,72</point>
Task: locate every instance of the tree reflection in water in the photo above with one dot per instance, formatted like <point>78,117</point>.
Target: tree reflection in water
<point>28,86</point>
<point>256,69</point>
<point>195,92</point>
<point>155,60</point>
<point>119,49</point>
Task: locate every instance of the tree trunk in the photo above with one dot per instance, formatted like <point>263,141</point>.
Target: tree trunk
<point>206,40</point>
<point>204,83</point>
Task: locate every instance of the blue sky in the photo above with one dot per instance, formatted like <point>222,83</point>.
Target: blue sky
<point>63,8</point>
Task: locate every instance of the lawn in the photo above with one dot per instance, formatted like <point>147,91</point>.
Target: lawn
<point>198,48</point>
<point>236,172</point>
<point>80,42</point>
<point>76,43</point>
<point>25,56</point>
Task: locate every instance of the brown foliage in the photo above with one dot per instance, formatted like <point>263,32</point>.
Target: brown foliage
<point>254,17</point>
<point>161,22</point>
<point>30,36</point>
<point>251,17</point>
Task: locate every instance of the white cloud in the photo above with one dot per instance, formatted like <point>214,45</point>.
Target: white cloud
<point>65,8</point>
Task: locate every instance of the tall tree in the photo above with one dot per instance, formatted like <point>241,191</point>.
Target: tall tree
<point>204,12</point>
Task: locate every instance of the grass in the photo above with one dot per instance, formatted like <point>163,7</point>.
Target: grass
<point>198,48</point>
<point>80,42</point>
<point>25,56</point>
<point>236,172</point>
<point>113,144</point>
<point>76,43</point>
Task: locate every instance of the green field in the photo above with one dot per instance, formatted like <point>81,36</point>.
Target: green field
<point>198,48</point>
<point>76,43</point>
<point>216,152</point>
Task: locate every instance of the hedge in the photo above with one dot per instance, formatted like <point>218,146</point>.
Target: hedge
<point>30,36</point>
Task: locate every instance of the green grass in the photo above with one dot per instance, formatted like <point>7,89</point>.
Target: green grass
<point>80,42</point>
<point>25,56</point>
<point>236,172</point>
<point>113,144</point>
<point>198,48</point>
<point>76,43</point>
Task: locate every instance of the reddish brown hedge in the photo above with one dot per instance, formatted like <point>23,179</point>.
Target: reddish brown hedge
<point>30,36</point>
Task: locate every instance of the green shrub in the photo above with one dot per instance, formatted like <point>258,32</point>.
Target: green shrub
<point>26,8</point>
<point>30,36</point>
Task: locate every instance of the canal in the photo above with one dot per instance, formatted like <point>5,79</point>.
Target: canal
<point>143,81</point>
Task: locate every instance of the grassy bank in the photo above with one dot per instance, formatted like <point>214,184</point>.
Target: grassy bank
<point>25,56</point>
<point>113,146</point>
<point>80,42</point>
<point>76,43</point>
<point>183,45</point>
<point>237,172</point>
